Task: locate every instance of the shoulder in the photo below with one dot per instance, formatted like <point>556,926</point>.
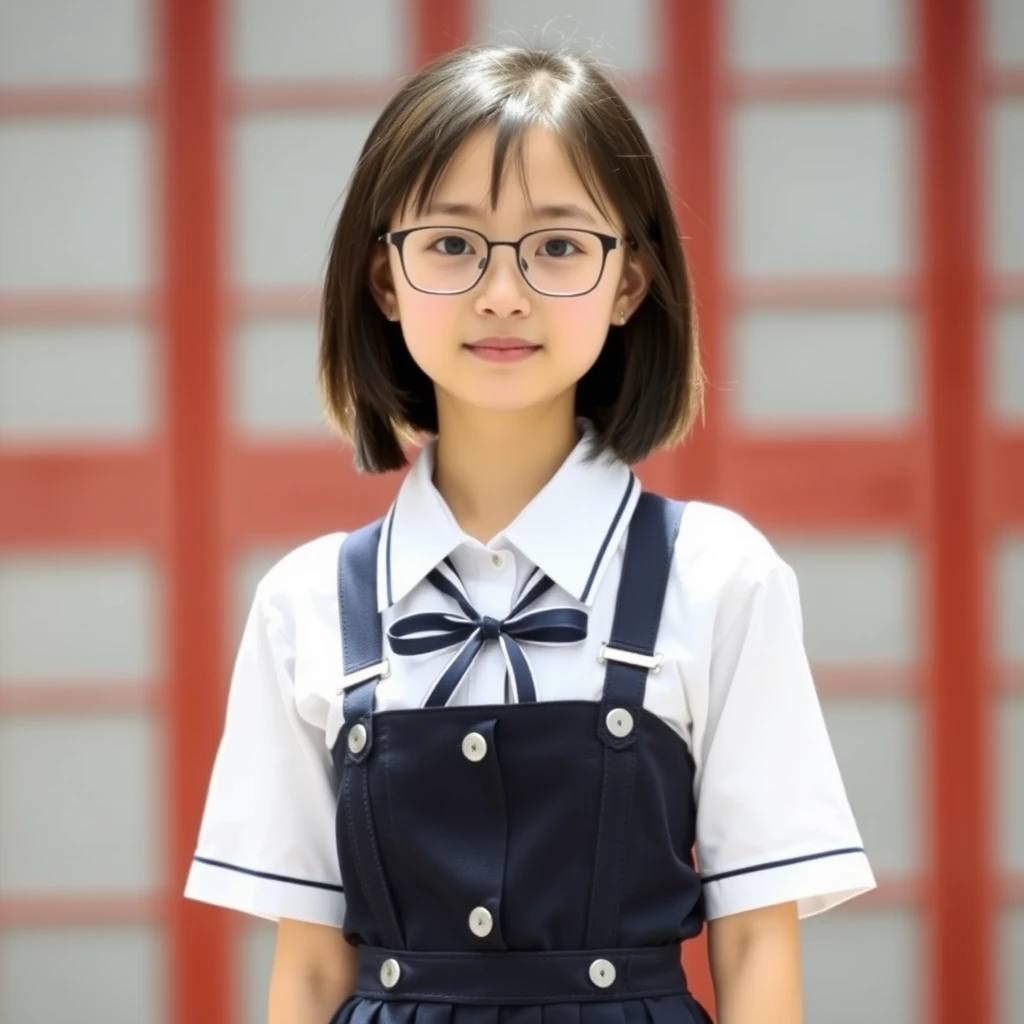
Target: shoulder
<point>722,561</point>
<point>715,541</point>
<point>301,582</point>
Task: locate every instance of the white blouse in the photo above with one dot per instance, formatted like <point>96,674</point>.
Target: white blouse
<point>773,821</point>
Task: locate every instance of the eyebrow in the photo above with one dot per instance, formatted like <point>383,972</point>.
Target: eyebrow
<point>555,211</point>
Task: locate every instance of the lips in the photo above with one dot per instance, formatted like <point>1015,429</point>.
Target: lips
<point>503,349</point>
<point>502,344</point>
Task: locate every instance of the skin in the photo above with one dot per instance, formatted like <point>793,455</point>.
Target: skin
<point>504,429</point>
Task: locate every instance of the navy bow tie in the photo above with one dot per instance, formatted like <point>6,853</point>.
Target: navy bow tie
<point>428,632</point>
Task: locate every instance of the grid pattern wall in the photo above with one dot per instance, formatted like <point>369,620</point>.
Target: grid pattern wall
<point>800,171</point>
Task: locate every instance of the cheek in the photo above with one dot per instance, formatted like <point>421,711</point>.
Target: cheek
<point>430,323</point>
<point>582,325</point>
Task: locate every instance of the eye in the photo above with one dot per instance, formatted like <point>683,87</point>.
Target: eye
<point>558,248</point>
<point>452,245</point>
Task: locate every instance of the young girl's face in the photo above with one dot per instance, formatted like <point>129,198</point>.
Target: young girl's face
<point>501,345</point>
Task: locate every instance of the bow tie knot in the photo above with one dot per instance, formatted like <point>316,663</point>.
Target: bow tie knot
<point>490,629</point>
<point>429,632</point>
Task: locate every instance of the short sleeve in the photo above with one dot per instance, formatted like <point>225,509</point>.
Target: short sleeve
<point>267,839</point>
<point>773,821</point>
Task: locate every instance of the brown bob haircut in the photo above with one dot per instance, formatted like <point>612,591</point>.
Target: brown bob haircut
<point>645,388</point>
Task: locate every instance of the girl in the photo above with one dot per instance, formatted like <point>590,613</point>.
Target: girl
<point>470,748</point>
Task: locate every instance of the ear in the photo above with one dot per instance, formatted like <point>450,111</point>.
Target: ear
<point>634,283</point>
<point>381,280</point>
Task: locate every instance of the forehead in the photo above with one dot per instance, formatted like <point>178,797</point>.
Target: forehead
<point>537,171</point>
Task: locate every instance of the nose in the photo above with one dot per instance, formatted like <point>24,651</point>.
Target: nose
<point>502,291</point>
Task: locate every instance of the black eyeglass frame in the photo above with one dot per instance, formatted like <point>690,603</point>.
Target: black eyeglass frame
<point>608,244</point>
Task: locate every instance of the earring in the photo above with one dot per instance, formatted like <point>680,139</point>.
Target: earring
<point>622,317</point>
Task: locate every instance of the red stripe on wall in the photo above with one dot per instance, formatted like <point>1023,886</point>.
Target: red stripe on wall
<point>691,68</point>
<point>959,697</point>
<point>199,985</point>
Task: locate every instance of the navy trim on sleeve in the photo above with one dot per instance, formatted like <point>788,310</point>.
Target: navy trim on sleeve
<point>268,875</point>
<point>781,864</point>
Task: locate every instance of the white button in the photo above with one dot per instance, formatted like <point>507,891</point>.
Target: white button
<point>602,973</point>
<point>474,747</point>
<point>498,561</point>
<point>390,972</point>
<point>620,722</point>
<point>357,738</point>
<point>481,922</point>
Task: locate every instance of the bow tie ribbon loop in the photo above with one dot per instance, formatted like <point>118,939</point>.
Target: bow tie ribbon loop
<point>430,632</point>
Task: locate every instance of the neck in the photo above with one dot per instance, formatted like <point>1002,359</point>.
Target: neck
<point>489,466</point>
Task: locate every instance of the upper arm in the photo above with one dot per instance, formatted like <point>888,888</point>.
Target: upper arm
<point>773,821</point>
<point>267,839</point>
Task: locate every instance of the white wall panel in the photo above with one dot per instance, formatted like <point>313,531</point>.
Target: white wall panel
<point>808,35</point>
<point>76,383</point>
<point>819,188</point>
<point>623,35</point>
<point>1004,24</point>
<point>87,975</point>
<point>878,744</point>
<point>1010,960</point>
<point>1006,363</point>
<point>256,949</point>
<point>71,616</point>
<point>1004,192</point>
<point>859,598</point>
<point>865,965</point>
<point>1009,598</point>
<point>1009,764</point>
<point>80,804</point>
<point>850,367</point>
<point>76,204</point>
<point>275,378</point>
<point>74,42</point>
<point>291,173</point>
<point>311,40</point>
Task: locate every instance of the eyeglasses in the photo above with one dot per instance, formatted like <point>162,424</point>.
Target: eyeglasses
<point>451,261</point>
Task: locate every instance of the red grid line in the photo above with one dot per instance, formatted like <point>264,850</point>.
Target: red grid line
<point>82,498</point>
<point>1010,679</point>
<point>76,101</point>
<point>342,96</point>
<point>961,937</point>
<point>1007,479</point>
<point>73,910</point>
<point>81,697</point>
<point>869,681</point>
<point>304,97</point>
<point>821,482</point>
<point>1010,890</point>
<point>72,308</point>
<point>200,951</point>
<point>1007,288</point>
<point>772,86</point>
<point>833,291</point>
<point>1005,82</point>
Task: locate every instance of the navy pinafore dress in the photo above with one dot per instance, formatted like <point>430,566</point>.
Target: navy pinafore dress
<point>524,863</point>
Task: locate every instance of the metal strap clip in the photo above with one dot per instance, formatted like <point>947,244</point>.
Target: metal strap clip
<point>379,671</point>
<point>651,662</point>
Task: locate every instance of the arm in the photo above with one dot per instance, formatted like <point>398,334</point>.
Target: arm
<point>314,972</point>
<point>755,965</point>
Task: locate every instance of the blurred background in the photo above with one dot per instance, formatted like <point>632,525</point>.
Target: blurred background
<point>850,178</point>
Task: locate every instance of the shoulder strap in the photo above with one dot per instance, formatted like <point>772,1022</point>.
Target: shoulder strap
<point>650,546</point>
<point>630,655</point>
<point>362,634</point>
